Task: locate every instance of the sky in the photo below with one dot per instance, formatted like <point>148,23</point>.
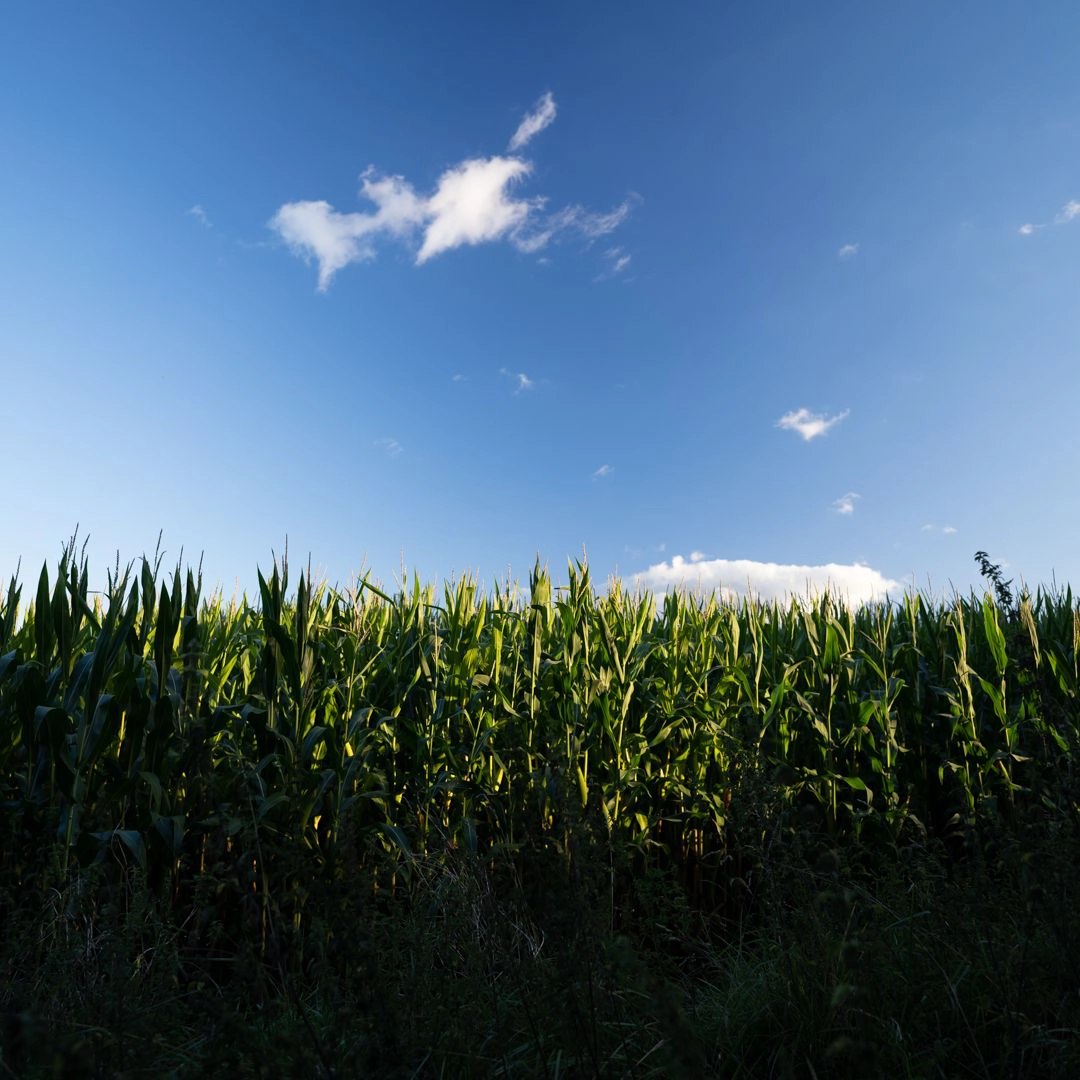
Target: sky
<point>731,295</point>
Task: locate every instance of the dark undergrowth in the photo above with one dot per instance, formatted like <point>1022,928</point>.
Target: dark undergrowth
<point>856,961</point>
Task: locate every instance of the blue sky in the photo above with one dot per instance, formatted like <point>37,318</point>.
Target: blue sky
<point>723,293</point>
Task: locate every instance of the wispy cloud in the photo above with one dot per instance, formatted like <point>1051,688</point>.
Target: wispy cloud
<point>474,202</point>
<point>200,215</point>
<point>846,503</point>
<point>458,377</point>
<point>1069,212</point>
<point>542,116</point>
<point>570,221</point>
<point>848,251</point>
<point>856,582</point>
<point>524,383</point>
<point>948,530</point>
<point>809,425</point>
<point>390,445</point>
<point>617,260</point>
<point>604,470</point>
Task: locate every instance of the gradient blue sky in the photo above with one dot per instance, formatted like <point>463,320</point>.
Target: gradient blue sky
<point>721,216</point>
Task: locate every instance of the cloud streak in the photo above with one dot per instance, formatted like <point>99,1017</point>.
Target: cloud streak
<point>846,503</point>
<point>542,116</point>
<point>473,202</point>
<point>809,425</point>
<point>617,260</point>
<point>848,251</point>
<point>855,582</point>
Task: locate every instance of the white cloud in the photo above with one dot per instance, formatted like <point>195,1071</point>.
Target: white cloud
<point>458,377</point>
<point>809,425</point>
<point>848,251</point>
<point>1028,229</point>
<point>316,228</point>
<point>604,470</point>
<point>471,204</point>
<point>533,123</point>
<point>846,503</point>
<point>696,556</point>
<point>391,446</point>
<point>336,239</point>
<point>928,528</point>
<point>854,582</point>
<point>200,215</point>
<point>949,530</point>
<point>1069,212</point>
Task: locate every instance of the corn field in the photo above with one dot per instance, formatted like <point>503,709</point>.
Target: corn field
<point>152,732</point>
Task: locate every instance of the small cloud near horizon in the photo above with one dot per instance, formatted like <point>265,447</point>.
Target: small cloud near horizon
<point>809,425</point>
<point>604,470</point>
<point>846,503</point>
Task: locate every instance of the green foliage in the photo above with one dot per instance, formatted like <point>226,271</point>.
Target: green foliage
<point>255,771</point>
<point>160,730</point>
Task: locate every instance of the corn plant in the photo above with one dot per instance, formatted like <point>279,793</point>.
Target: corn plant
<point>157,730</point>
